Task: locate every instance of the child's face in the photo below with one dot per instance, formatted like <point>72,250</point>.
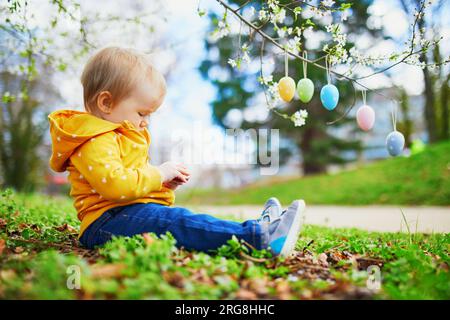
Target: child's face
<point>146,98</point>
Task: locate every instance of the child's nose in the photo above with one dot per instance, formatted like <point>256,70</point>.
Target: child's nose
<point>144,123</point>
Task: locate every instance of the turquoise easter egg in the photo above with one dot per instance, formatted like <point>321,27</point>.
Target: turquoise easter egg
<point>305,90</point>
<point>395,143</point>
<point>329,95</point>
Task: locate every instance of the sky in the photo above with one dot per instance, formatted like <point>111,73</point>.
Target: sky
<point>178,50</point>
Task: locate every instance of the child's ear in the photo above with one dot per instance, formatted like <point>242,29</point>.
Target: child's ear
<point>104,101</point>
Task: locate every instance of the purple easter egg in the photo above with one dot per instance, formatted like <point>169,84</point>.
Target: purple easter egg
<point>365,116</point>
<point>395,142</point>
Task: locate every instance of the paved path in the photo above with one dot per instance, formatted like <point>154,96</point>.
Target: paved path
<point>372,218</point>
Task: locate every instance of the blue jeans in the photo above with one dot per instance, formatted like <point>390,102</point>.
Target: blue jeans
<point>200,232</point>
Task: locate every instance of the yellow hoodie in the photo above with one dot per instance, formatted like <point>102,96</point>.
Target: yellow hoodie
<point>108,164</point>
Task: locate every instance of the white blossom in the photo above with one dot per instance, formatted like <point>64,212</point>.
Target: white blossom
<point>298,122</point>
<point>246,57</point>
<point>262,15</point>
<point>232,63</point>
<point>281,32</point>
<point>265,79</point>
<point>223,29</point>
<point>278,17</point>
<point>303,113</point>
<point>299,118</point>
<point>327,3</point>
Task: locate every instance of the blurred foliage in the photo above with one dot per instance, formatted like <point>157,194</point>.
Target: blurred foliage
<point>238,89</point>
<point>23,124</point>
<point>32,51</point>
<point>318,144</point>
<point>435,69</point>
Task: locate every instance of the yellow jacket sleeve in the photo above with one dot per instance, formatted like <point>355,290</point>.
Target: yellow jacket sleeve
<point>99,162</point>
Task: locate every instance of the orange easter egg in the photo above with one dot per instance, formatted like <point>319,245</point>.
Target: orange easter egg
<point>286,88</point>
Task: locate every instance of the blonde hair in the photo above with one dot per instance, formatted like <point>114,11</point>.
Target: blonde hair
<point>113,69</point>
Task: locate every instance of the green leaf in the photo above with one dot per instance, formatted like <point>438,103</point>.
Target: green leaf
<point>201,12</point>
<point>345,6</point>
<point>62,67</point>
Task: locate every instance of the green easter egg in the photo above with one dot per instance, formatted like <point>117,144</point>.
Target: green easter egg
<point>305,90</point>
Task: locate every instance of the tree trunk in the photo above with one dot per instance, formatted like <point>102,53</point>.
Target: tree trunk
<point>310,165</point>
<point>406,125</point>
<point>444,108</point>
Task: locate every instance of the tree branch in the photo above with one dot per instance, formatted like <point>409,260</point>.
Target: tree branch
<point>274,42</point>
<point>314,62</point>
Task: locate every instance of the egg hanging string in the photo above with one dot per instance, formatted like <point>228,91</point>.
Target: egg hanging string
<point>363,93</point>
<point>285,63</point>
<point>394,116</point>
<point>327,68</point>
<point>305,64</point>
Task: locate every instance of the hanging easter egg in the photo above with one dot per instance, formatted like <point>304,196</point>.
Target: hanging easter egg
<point>286,88</point>
<point>365,117</point>
<point>305,90</point>
<point>329,95</point>
<point>395,142</point>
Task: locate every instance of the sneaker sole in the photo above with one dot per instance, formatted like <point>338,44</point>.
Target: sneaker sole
<point>291,238</point>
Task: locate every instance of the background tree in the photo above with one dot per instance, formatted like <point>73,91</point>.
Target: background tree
<point>22,128</point>
<point>318,144</point>
<point>405,124</point>
<point>434,68</point>
<point>316,140</point>
<point>38,41</point>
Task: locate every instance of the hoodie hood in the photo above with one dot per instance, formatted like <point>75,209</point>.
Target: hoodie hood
<point>69,129</point>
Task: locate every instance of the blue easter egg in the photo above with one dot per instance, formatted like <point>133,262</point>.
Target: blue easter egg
<point>329,95</point>
<point>395,142</point>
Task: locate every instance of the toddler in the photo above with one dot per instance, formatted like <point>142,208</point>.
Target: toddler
<point>116,191</point>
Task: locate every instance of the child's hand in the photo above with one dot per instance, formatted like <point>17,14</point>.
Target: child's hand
<point>173,184</point>
<point>171,170</point>
<point>176,182</point>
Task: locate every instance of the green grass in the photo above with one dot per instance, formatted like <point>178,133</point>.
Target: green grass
<point>38,248</point>
<point>422,179</point>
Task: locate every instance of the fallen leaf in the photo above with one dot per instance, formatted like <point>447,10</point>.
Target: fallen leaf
<point>22,226</point>
<point>365,262</point>
<point>66,227</point>
<point>444,266</point>
<point>322,259</point>
<point>18,249</point>
<point>175,279</point>
<point>107,270</point>
<point>201,275</point>
<point>243,294</point>
<point>2,246</point>
<point>7,274</point>
<point>283,290</point>
<point>148,238</point>
<point>259,286</point>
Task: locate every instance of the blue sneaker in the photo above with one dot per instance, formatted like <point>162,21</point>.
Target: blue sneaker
<point>272,210</point>
<point>284,230</point>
